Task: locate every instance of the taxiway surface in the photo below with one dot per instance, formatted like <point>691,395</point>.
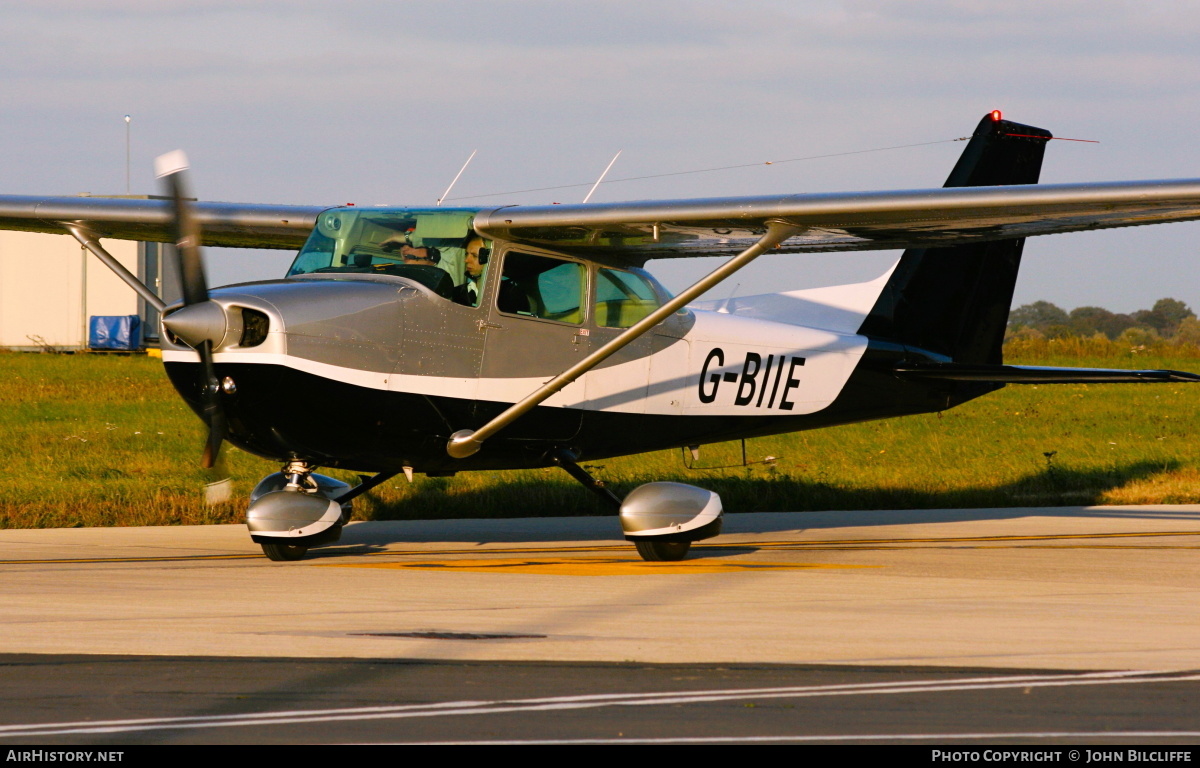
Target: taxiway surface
<point>1083,588</point>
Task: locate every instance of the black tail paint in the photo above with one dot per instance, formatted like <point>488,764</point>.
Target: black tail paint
<point>954,301</point>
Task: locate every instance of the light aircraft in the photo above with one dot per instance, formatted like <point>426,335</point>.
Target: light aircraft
<point>439,340</point>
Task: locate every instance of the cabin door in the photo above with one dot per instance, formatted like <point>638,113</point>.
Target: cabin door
<point>535,331</point>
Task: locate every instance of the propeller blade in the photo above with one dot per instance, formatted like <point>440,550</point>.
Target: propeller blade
<point>218,486</point>
<point>213,414</point>
<point>217,429</point>
<point>171,169</point>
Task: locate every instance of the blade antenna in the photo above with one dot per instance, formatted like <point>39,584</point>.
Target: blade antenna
<point>606,170</point>
<point>724,308</point>
<point>460,173</point>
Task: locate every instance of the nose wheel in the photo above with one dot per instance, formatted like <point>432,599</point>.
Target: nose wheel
<point>662,551</point>
<point>281,552</point>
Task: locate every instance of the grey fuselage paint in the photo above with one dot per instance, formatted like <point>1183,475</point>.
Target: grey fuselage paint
<point>333,382</point>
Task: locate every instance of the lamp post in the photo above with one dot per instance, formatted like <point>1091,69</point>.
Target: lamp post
<point>127,119</point>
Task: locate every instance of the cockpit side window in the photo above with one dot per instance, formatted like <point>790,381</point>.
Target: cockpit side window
<point>539,286</point>
<point>623,298</point>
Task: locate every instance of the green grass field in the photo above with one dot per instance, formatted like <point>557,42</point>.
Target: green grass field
<point>92,440</point>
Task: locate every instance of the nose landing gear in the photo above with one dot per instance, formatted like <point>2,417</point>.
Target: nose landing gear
<point>295,509</point>
<point>280,552</point>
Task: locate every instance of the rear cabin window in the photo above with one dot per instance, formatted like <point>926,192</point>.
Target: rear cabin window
<point>538,286</point>
<point>623,298</point>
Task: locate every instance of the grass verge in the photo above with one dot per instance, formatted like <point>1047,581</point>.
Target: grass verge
<point>92,440</point>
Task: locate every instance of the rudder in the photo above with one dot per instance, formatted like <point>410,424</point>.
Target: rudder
<point>954,301</point>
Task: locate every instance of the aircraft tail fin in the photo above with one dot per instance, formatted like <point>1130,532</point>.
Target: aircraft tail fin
<point>954,301</point>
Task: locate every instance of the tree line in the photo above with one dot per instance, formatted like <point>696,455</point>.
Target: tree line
<point>1169,320</point>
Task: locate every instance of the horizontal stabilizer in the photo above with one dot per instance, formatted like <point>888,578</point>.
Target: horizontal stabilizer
<point>1033,374</point>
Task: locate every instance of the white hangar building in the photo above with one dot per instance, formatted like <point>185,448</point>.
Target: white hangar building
<point>51,287</point>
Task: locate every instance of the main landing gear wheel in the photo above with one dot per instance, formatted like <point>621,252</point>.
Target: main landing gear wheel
<point>279,552</point>
<point>658,551</point>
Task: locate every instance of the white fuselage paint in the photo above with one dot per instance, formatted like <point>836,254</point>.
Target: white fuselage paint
<point>727,364</point>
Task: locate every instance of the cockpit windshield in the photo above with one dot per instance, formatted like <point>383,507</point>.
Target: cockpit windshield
<point>428,246</point>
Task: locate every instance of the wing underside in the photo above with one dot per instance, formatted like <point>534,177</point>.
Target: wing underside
<point>237,225</point>
<point>843,222</point>
<point>637,231</point>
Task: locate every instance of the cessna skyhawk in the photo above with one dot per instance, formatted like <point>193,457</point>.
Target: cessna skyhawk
<point>442,340</point>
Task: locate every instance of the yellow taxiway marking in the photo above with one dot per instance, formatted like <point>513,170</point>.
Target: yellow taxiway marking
<point>966,539</point>
<point>146,559</point>
<point>880,547</point>
<point>587,566</point>
<point>816,544</point>
<point>988,542</point>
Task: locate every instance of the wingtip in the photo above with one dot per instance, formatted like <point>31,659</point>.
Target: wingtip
<point>170,163</point>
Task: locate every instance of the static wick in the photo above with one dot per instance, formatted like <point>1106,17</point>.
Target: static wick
<point>1050,138</point>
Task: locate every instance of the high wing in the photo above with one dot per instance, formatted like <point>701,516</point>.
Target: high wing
<point>844,221</point>
<point>637,231</point>
<point>239,225</point>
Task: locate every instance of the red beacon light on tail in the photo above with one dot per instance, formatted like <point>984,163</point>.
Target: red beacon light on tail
<point>996,115</point>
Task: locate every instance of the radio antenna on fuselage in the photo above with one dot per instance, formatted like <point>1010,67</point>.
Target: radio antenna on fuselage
<point>460,173</point>
<point>606,170</point>
<point>724,308</point>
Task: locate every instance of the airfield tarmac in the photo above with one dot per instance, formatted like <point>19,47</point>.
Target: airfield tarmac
<point>1014,597</point>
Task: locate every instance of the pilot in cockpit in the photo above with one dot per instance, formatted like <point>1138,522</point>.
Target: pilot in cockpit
<point>426,255</point>
<point>475,267</point>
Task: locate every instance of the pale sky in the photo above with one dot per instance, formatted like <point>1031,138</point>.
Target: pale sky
<point>381,102</point>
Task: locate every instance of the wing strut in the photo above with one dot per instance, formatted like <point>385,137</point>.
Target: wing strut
<point>88,240</point>
<point>467,442</point>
